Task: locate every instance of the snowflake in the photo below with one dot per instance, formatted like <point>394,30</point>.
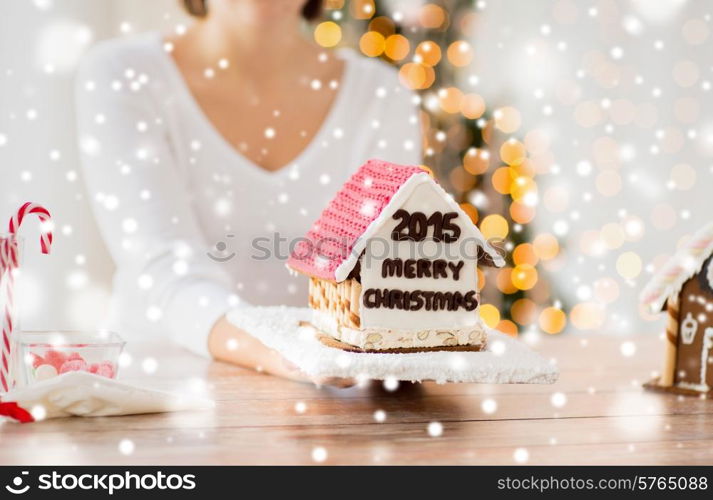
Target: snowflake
<point>38,412</point>
<point>489,406</point>
<point>558,399</point>
<point>145,281</point>
<point>391,384</point>
<point>368,208</point>
<point>126,447</point>
<point>149,365</point>
<point>628,349</point>
<point>521,455</point>
<point>154,313</point>
<point>435,429</point>
<point>319,454</point>
<point>180,267</point>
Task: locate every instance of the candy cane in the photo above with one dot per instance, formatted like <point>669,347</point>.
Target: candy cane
<point>9,262</point>
<point>45,218</point>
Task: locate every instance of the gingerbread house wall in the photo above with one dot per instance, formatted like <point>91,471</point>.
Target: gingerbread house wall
<point>427,198</point>
<point>340,300</point>
<point>695,323</point>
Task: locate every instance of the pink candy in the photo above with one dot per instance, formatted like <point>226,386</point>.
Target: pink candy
<point>75,365</point>
<point>55,358</point>
<point>37,360</point>
<point>104,369</point>
<point>73,362</point>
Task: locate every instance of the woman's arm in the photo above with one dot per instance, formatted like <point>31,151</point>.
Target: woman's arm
<point>231,344</point>
<point>164,281</point>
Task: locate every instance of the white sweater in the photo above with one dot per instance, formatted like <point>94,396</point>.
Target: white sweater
<point>167,188</point>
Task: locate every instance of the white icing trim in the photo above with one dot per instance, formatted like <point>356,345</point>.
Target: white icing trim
<point>398,199</point>
<point>691,266</point>
<point>388,338</point>
<point>689,327</point>
<point>693,387</point>
<point>706,347</point>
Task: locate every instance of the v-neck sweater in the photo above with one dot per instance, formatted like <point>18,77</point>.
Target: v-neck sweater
<point>193,226</point>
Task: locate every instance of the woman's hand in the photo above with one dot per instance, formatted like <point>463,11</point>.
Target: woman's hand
<point>233,345</point>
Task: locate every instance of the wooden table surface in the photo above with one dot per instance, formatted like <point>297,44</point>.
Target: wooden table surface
<point>599,414</point>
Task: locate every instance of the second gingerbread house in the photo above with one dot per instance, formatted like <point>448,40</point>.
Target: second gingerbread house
<point>684,289</point>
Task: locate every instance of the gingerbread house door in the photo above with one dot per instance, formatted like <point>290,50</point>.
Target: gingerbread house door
<point>694,361</point>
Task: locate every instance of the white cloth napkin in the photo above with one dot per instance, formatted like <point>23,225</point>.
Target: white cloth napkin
<point>84,394</point>
<point>505,361</point>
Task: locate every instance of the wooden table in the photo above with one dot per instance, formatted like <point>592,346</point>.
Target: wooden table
<point>605,418</point>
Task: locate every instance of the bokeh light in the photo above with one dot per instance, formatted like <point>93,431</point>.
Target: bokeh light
<point>502,179</point>
<point>328,34</point>
<point>429,53</point>
<point>460,53</point>
<point>372,44</point>
<point>546,246</point>
<point>524,276</point>
<point>503,280</point>
<point>552,320</point>
<point>508,327</point>
<point>396,47</point>
<point>587,316</point>
<point>383,25</point>
<point>507,119</point>
<point>450,99</point>
<point>490,315</point>
<point>521,213</point>
<point>494,226</point>
<point>606,290</point>
<point>472,106</point>
<point>524,311</point>
<point>524,253</point>
<point>512,152</point>
<point>432,16</point>
<point>416,76</point>
<point>361,9</point>
<point>524,189</point>
<point>628,265</point>
<point>476,161</point>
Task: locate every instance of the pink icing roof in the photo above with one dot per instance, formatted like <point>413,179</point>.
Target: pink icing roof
<point>360,201</point>
<point>679,269</point>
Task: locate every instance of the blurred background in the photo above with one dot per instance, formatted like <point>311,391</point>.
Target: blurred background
<point>581,132</point>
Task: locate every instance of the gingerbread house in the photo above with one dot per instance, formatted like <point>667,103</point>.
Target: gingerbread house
<point>684,289</point>
<point>392,265</point>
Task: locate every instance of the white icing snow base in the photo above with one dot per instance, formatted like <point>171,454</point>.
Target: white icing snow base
<point>506,360</point>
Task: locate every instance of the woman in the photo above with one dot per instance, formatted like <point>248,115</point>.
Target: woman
<point>207,152</point>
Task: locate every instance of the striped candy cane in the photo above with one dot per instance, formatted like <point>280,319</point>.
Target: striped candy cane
<point>7,246</point>
<point>9,262</point>
<point>44,216</point>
